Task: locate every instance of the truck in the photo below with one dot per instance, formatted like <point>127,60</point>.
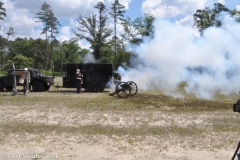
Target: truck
<point>96,76</point>
<point>38,82</point>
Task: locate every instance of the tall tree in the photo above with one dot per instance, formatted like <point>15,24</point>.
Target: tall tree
<point>43,16</point>
<point>53,29</point>
<point>2,11</point>
<point>2,49</point>
<point>208,17</point>
<point>36,47</point>
<point>6,47</point>
<point>94,30</point>
<point>117,11</point>
<point>103,30</point>
<point>136,30</point>
<point>67,52</point>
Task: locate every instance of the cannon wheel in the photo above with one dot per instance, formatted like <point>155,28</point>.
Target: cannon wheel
<point>123,89</point>
<point>134,87</point>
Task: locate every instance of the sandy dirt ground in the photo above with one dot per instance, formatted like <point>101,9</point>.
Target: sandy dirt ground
<point>69,143</point>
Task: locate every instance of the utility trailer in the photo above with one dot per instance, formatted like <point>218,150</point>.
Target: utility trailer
<point>96,76</point>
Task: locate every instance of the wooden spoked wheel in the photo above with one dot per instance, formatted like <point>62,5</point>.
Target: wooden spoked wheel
<point>123,89</point>
<point>134,87</point>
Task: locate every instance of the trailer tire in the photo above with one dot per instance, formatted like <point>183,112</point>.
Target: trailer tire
<point>1,86</point>
<point>38,86</point>
<point>9,88</point>
<point>99,88</point>
<point>89,88</point>
<point>47,87</point>
<point>238,101</point>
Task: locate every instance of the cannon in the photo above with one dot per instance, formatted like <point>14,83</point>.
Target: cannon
<point>125,89</point>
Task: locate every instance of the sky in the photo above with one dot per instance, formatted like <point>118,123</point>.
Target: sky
<point>176,54</point>
<point>21,13</point>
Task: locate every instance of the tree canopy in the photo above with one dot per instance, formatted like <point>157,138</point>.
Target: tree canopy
<point>95,30</point>
<point>2,11</point>
<point>136,30</point>
<point>47,17</point>
<point>117,11</point>
<point>20,61</point>
<point>204,18</point>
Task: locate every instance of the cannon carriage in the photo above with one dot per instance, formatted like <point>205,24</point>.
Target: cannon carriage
<point>125,89</point>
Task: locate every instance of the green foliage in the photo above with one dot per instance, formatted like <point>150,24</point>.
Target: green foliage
<point>3,73</point>
<point>72,51</point>
<point>47,17</point>
<point>236,15</point>
<point>116,13</point>
<point>29,48</point>
<point>68,52</point>
<point>50,72</point>
<point>50,54</point>
<point>123,56</point>
<point>136,30</point>
<point>10,32</point>
<point>94,30</point>
<point>2,11</point>
<point>43,16</point>
<point>208,17</point>
<point>107,55</point>
<point>5,46</point>
<point>19,61</point>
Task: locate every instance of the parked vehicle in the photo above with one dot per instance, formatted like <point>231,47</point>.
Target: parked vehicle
<point>38,82</point>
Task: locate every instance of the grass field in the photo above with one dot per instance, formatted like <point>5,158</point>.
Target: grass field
<point>149,125</point>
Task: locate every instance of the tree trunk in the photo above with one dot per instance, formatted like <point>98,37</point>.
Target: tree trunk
<point>51,52</point>
<point>115,42</point>
<point>62,60</point>
<point>46,58</point>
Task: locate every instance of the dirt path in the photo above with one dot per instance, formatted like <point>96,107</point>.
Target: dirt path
<point>39,131</point>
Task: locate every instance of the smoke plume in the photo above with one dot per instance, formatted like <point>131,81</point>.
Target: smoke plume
<point>207,64</point>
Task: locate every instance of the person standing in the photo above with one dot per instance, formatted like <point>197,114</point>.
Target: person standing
<point>26,80</point>
<point>79,81</point>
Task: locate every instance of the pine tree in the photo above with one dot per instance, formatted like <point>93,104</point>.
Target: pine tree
<point>117,11</point>
<point>94,30</point>
<point>47,17</point>
<point>2,11</point>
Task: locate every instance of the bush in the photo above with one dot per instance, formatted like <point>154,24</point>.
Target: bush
<point>50,73</point>
<point>3,73</point>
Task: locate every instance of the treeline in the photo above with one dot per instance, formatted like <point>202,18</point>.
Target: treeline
<point>105,45</point>
<point>207,17</point>
<point>31,53</point>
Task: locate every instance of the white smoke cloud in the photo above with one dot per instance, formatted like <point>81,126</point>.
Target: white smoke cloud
<point>238,8</point>
<point>207,64</point>
<point>89,58</point>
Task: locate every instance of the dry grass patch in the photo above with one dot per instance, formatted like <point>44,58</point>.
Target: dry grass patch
<point>148,119</point>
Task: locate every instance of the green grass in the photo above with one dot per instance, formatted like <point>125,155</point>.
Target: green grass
<point>142,100</point>
<point>58,80</point>
<point>104,102</point>
<point>141,108</point>
<point>96,129</point>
